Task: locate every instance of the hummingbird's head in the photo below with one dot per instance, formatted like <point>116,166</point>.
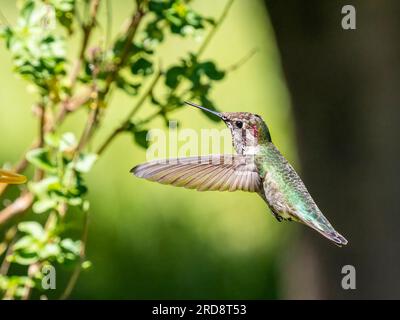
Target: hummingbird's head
<point>248,129</point>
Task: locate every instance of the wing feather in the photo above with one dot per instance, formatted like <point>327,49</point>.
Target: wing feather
<point>223,172</point>
<point>210,185</point>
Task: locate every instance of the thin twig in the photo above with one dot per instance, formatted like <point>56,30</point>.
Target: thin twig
<point>108,23</point>
<point>3,18</point>
<point>5,265</point>
<point>124,56</point>
<point>42,124</point>
<point>82,256</point>
<point>120,63</point>
<point>32,270</point>
<point>21,204</point>
<point>39,173</point>
<point>241,61</point>
<point>8,241</point>
<point>87,32</point>
<point>205,43</point>
<point>89,127</point>
<point>128,118</point>
<point>140,102</point>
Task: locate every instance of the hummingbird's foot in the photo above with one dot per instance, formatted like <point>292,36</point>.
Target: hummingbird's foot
<point>278,217</point>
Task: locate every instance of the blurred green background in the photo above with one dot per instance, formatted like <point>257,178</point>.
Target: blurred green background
<point>340,122</point>
<point>154,241</point>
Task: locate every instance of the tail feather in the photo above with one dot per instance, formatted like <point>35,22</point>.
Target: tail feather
<point>328,232</point>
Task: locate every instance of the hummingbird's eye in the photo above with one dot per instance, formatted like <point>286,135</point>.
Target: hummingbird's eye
<point>239,124</point>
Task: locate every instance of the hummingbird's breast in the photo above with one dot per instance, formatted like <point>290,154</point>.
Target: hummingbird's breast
<point>251,150</point>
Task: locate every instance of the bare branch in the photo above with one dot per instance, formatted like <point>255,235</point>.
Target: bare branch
<point>120,63</point>
<point>212,33</point>
<point>8,243</point>
<point>242,61</point>
<point>21,204</point>
<point>82,256</point>
<point>128,118</point>
<point>87,32</point>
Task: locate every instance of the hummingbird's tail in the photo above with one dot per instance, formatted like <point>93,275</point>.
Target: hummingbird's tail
<point>326,229</point>
<point>335,236</point>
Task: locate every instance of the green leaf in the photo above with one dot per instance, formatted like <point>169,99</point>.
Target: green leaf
<point>142,66</point>
<point>25,243</point>
<point>85,206</point>
<point>50,250</point>
<point>20,291</point>
<point>154,100</point>
<point>211,70</point>
<point>85,162</point>
<point>73,184</point>
<point>68,142</point>
<point>158,6</point>
<point>173,101</point>
<point>44,205</point>
<point>52,139</point>
<point>154,32</point>
<point>6,33</point>
<point>27,9</point>
<point>141,138</point>
<point>173,76</point>
<point>74,202</point>
<point>14,281</point>
<point>129,88</point>
<point>42,187</point>
<point>33,228</point>
<point>177,22</point>
<point>117,49</point>
<point>71,246</point>
<point>40,158</point>
<point>86,265</point>
<point>65,12</point>
<point>194,20</point>
<point>24,260</point>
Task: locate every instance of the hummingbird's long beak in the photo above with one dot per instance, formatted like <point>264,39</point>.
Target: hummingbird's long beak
<point>218,114</point>
<point>11,178</point>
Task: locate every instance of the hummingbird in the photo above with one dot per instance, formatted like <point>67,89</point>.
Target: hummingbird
<point>258,166</point>
<point>11,177</point>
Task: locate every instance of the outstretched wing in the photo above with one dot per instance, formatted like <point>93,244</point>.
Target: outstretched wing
<point>214,172</point>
